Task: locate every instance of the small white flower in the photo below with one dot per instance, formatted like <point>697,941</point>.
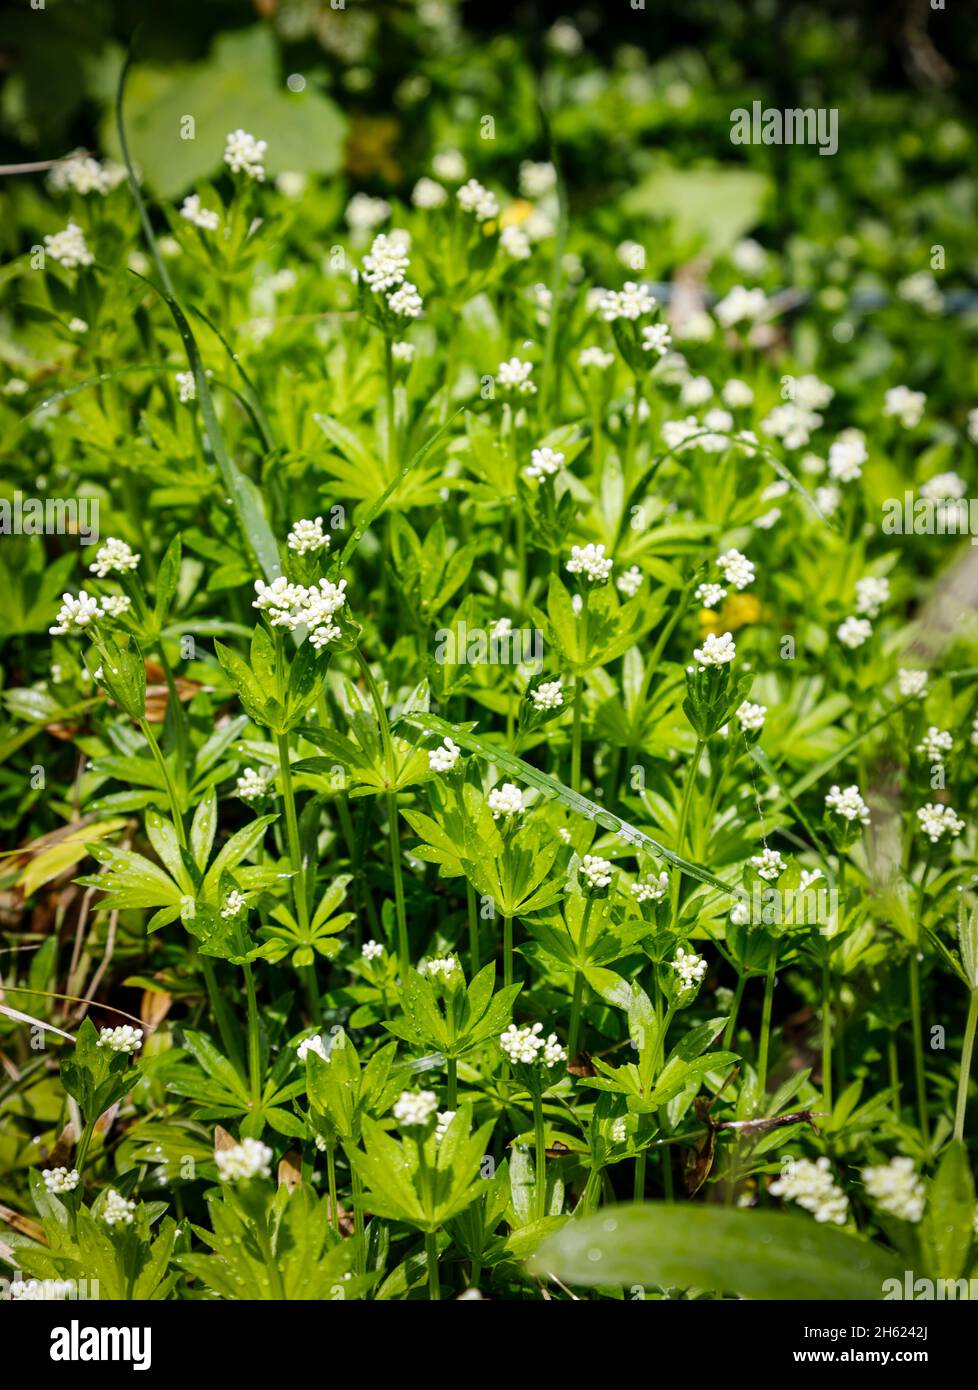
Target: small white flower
<point>254,783</point>
<point>548,695</point>
<point>515,242</point>
<point>595,871</point>
<point>630,302</point>
<point>736,568</point>
<point>912,684</point>
<point>473,197</point>
<point>739,305</point>
<point>249,1159</point>
<point>696,390</point>
<point>439,967</point>
<point>630,581</point>
<point>848,803</point>
<point>204,218</point>
<point>544,463</point>
<point>807,878</point>
<point>710,595</point>
<point>896,1189</point>
<point>186,387</point>
<point>385,265</point>
<point>75,614</point>
<point>651,888</point>
<point>445,1118</point>
<point>445,757</point>
<point>69,248</point>
<point>751,717</point>
<point>737,393</point>
<point>596,357</point>
<point>405,301</point>
<point>656,338</point>
<point>77,325</point>
<point>943,487</point>
<point>937,821</point>
<point>769,864</point>
<point>854,632</point>
<point>590,561</point>
<point>403,352</point>
<point>234,903</point>
<point>313,1044</point>
<point>749,257</point>
<point>619,1131</point>
<point>116,605</point>
<point>553,1052</point>
<point>61,1179</point>
<point>689,967</point>
<point>811,1185</point>
<point>505,801</point>
<point>363,213</point>
<point>847,456</point>
<point>935,744</point>
<point>372,950</point>
<point>792,424</point>
<point>827,499</point>
<point>243,154</point>
<point>537,180</point>
<point>716,651</point>
<point>871,594</point>
<point>428,193</point>
<point>413,1109</point>
<point>117,1211</point>
<point>514,375</point>
<point>449,165</point>
<point>905,405</point>
<point>114,557</point>
<point>307,536</point>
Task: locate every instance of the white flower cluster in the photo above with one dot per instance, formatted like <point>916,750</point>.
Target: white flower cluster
<point>186,387</point>
<point>75,614</point>
<point>444,757</point>
<point>751,717</point>
<point>415,1108</point>
<point>689,967</point>
<point>68,247</point>
<point>792,424</point>
<point>656,338</point>
<point>847,456</point>
<point>544,463</point>
<point>848,803</point>
<point>428,193</point>
<point>197,215</point>
<point>905,405</point>
<point>736,568</point>
<point>651,888</point>
<point>896,1188</point>
<point>515,242</point>
<point>363,213</point>
<point>439,967</point>
<point>943,487</point>
<point>740,305</point>
<point>530,1046</point>
<point>84,175</point>
<point>293,606</point>
<point>630,581</point>
<point>871,594</point>
<point>710,595</point>
<point>114,557</point>
<point>384,270</point>
<point>632,301</point>
<point>313,1044</point>
<point>912,684</point>
<point>936,821</point>
<point>243,154</point>
<point>123,1039</point>
<point>249,1159</point>
<point>505,801</point>
<point>549,695</point>
<point>234,903</point>
<point>769,864</point>
<point>812,1186</point>
<point>473,197</point>
<point>537,180</point>
<point>935,744</point>
<point>590,560</point>
<point>61,1179</point>
<point>595,871</point>
<point>372,950</point>
<point>254,783</point>
<point>117,1210</point>
<point>596,357</point>
<point>306,537</point>
<point>854,632</point>
<point>514,375</point>
<point>716,651</point>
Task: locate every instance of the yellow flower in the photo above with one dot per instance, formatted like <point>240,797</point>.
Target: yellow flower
<point>738,610</point>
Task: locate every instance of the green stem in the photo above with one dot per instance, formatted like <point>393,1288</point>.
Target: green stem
<point>728,1032</point>
<point>894,1062</point>
<point>575,1018</point>
<point>86,1140</point>
<point>688,787</point>
<point>827,1036</point>
<point>967,1048</point>
<point>452,1083</point>
<point>254,1034</point>
<point>507,950</point>
<point>360,1259</point>
<point>431,1259</point>
<point>638,1192</point>
<point>171,790</point>
<point>473,915</point>
<point>576,735</point>
<point>541,1152</point>
<point>918,1046</point>
<point>772,961</point>
<point>222,1014</point>
<point>292,824</point>
<point>334,1211</point>
<point>391,421</point>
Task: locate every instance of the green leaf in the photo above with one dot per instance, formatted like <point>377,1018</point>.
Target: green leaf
<point>753,1254</point>
<point>946,1230</point>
